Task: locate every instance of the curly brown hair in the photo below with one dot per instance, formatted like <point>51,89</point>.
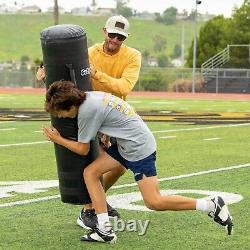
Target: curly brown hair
<point>62,95</point>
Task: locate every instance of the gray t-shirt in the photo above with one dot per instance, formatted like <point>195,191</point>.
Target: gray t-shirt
<point>110,115</point>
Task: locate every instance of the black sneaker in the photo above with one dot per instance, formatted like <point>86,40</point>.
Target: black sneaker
<point>96,235</point>
<point>112,212</point>
<point>221,214</point>
<point>87,219</point>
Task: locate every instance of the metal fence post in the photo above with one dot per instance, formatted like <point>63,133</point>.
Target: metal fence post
<point>217,79</point>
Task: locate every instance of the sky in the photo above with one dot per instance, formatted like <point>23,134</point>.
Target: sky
<point>211,6</point>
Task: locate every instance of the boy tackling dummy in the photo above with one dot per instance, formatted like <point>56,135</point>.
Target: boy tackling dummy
<point>135,149</point>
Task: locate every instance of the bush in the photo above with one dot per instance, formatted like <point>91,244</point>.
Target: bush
<point>153,80</point>
<point>185,85</point>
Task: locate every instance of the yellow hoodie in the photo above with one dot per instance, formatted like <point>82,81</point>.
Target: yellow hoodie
<point>116,74</point>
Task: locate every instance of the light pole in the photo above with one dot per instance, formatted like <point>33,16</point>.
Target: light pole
<point>195,44</point>
<point>183,45</point>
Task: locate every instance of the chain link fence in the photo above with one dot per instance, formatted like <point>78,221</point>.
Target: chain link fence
<point>151,79</point>
<point>22,77</point>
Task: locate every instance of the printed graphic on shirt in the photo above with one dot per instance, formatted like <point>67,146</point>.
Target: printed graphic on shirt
<point>119,104</point>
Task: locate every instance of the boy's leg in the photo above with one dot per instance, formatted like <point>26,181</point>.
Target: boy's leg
<point>108,180</point>
<point>111,177</point>
<point>87,218</point>
<point>103,164</point>
<point>154,200</point>
<point>215,207</point>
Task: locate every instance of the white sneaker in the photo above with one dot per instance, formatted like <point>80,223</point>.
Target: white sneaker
<point>221,214</point>
<point>96,235</point>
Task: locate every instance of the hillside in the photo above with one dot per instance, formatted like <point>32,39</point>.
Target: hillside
<point>20,34</point>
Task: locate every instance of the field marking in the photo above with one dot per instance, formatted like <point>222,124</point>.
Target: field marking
<point>10,204</point>
<point>4,122</point>
<point>23,143</point>
<point>22,116</point>
<point>212,139</point>
<point>189,175</point>
<point>168,137</point>
<point>7,129</point>
<point>201,128</point>
<point>134,101</point>
<point>127,200</point>
<point>164,102</point>
<point>15,203</point>
<point>159,131</point>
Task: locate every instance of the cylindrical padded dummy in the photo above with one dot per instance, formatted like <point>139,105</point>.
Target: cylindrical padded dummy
<point>65,56</point>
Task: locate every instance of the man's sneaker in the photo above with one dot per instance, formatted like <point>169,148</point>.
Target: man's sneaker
<point>112,212</point>
<point>87,219</point>
<point>97,235</point>
<point>221,214</point>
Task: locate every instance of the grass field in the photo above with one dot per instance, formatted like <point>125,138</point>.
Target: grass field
<point>194,160</point>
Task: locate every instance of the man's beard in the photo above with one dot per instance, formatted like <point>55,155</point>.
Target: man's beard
<point>111,50</point>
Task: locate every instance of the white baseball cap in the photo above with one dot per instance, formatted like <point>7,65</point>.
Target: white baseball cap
<point>117,24</point>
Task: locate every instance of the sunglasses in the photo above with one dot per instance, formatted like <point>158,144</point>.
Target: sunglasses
<point>119,37</point>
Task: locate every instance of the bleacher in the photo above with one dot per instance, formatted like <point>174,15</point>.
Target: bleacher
<point>223,73</point>
<point>228,81</point>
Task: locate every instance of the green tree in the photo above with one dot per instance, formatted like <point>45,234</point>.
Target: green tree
<point>123,9</point>
<point>162,60</point>
<point>176,51</point>
<point>158,17</point>
<point>220,32</point>
<point>241,24</point>
<point>169,15</point>
<point>145,56</point>
<point>213,37</point>
<point>240,34</point>
<point>24,59</point>
<point>160,43</point>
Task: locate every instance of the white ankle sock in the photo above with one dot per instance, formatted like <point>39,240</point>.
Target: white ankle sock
<point>103,222</point>
<point>204,205</point>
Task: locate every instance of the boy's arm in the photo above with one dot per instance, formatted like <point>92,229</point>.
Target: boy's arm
<point>77,147</point>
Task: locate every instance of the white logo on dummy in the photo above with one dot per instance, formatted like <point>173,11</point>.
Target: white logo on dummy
<point>85,72</point>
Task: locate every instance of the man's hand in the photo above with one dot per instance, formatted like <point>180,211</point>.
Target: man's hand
<point>52,134</point>
<point>105,140</point>
<point>92,70</point>
<point>40,74</point>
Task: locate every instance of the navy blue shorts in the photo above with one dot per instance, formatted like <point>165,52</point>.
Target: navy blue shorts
<point>142,167</point>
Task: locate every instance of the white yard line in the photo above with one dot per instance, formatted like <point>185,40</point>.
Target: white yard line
<point>189,175</point>
<point>7,129</point>
<point>168,137</point>
<point>211,139</point>
<point>14,203</point>
<point>23,144</point>
<point>201,128</point>
<point>4,122</point>
<point>10,204</point>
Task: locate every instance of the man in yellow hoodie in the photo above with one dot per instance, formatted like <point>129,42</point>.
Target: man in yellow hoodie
<point>115,69</point>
